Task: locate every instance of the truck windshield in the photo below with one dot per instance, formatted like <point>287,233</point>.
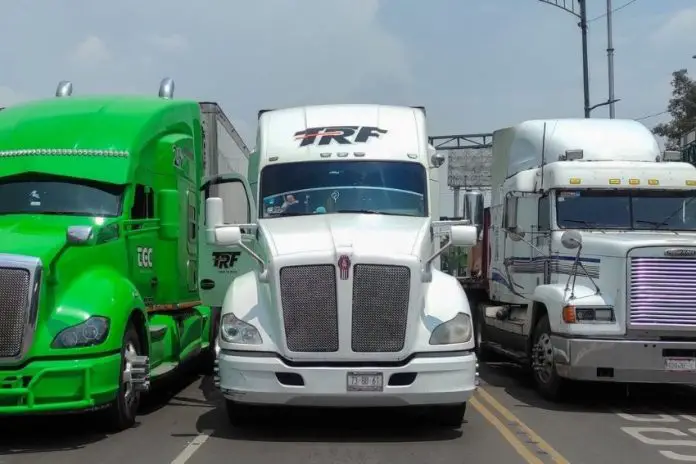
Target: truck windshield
<point>623,209</point>
<point>321,187</point>
<point>59,195</point>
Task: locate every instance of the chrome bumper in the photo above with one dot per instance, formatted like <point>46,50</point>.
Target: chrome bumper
<point>630,361</point>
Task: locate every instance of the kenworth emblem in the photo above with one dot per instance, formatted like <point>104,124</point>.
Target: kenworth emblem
<point>680,252</point>
<point>344,267</point>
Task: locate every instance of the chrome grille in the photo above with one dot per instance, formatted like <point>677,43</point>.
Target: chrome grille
<point>380,307</point>
<point>310,308</point>
<point>14,304</point>
<point>662,291</point>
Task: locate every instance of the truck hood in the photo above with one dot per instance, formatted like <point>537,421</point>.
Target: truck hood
<point>617,244</point>
<point>365,233</point>
<point>39,236</point>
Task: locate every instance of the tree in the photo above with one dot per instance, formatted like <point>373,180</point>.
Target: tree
<point>682,107</point>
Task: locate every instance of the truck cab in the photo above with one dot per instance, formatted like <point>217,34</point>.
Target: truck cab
<point>346,307</point>
<point>98,250</point>
<point>591,255</point>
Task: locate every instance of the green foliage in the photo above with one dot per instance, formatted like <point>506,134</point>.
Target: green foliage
<point>682,108</point>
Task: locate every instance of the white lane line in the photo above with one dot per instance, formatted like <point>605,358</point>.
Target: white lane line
<point>192,447</point>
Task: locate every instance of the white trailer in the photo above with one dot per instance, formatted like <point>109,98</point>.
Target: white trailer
<point>591,255</point>
<point>346,307</point>
<point>225,151</point>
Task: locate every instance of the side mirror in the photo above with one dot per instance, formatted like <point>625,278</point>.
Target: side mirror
<point>168,209</point>
<point>81,235</point>
<point>228,235</point>
<point>571,239</point>
<point>473,204</point>
<point>463,236</point>
<point>216,232</point>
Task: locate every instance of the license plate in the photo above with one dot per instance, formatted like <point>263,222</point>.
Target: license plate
<point>680,364</point>
<point>363,381</point>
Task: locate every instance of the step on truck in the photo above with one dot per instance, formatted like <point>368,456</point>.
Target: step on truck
<point>99,251</point>
<point>590,255</point>
<point>346,306</point>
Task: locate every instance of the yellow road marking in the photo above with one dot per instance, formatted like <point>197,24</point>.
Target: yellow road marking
<point>521,449</point>
<point>507,414</point>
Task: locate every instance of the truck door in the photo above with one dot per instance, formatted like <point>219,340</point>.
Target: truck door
<point>523,265</point>
<point>218,265</point>
<point>141,239</point>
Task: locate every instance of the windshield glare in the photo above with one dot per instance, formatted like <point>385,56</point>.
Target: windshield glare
<point>326,187</point>
<point>58,195</point>
<point>624,209</point>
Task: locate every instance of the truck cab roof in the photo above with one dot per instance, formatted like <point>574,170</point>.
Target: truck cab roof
<point>95,137</point>
<point>322,131</point>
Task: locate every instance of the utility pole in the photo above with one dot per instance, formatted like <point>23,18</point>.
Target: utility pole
<point>585,65</point>
<point>578,8</point>
<point>610,60</point>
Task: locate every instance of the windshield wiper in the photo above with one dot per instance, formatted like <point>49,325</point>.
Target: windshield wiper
<point>290,213</point>
<point>676,211</point>
<point>578,221</point>
<point>652,223</point>
<point>365,211</point>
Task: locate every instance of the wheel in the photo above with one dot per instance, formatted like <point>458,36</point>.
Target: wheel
<point>450,415</point>
<point>133,380</point>
<point>482,353</point>
<point>239,414</point>
<point>549,384</point>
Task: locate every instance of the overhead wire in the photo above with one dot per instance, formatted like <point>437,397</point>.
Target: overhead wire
<point>618,8</point>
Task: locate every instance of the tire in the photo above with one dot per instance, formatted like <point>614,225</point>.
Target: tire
<point>207,362</point>
<point>122,412</point>
<point>449,416</point>
<point>240,414</point>
<point>483,354</point>
<point>548,383</point>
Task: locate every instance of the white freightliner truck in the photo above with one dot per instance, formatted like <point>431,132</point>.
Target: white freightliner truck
<point>591,255</point>
<point>346,307</point>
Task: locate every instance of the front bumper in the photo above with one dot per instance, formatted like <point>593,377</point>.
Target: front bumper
<point>254,379</point>
<point>58,386</point>
<point>630,361</point>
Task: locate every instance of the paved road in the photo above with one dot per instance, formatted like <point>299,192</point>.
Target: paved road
<point>506,423</point>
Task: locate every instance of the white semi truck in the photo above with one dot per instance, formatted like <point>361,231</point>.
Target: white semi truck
<point>345,307</point>
<point>590,252</point>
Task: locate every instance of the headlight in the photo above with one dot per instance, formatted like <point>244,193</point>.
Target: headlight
<point>456,330</point>
<point>234,330</point>
<point>91,332</point>
<point>588,314</point>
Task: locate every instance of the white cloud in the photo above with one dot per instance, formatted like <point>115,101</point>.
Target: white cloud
<point>678,29</point>
<point>91,51</point>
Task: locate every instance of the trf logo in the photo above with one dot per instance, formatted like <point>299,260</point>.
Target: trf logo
<point>343,135</point>
<point>225,259</point>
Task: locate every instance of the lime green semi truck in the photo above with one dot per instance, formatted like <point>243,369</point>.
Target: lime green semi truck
<point>99,291</point>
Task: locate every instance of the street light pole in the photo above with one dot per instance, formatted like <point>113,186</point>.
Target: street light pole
<point>610,59</point>
<point>585,65</point>
<point>578,8</point>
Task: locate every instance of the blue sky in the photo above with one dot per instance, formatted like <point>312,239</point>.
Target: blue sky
<point>476,65</point>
